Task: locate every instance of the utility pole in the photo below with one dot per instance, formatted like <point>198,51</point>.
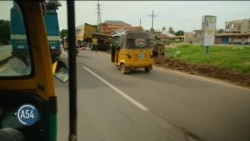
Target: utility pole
<point>99,20</point>
<point>152,28</point>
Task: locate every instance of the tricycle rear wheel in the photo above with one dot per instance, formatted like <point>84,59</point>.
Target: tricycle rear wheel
<point>148,69</point>
<point>123,68</point>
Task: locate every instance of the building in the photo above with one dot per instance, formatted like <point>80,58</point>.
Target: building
<point>191,37</point>
<point>109,26</point>
<point>220,38</point>
<point>238,26</point>
<point>233,38</point>
<point>236,32</point>
<point>170,35</point>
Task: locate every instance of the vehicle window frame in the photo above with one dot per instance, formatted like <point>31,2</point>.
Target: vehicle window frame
<point>29,50</point>
<point>129,45</point>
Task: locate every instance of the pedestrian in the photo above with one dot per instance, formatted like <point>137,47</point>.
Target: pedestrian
<point>94,44</point>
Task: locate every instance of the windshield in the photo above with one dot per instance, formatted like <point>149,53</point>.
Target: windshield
<point>14,50</point>
<point>138,43</point>
<point>137,40</point>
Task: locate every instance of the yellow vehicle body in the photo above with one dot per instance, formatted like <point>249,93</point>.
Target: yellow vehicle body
<point>79,33</point>
<point>41,73</point>
<point>84,33</point>
<point>65,43</point>
<point>132,49</point>
<point>28,102</point>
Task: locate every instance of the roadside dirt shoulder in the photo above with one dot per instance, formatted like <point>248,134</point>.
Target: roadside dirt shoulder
<point>231,76</point>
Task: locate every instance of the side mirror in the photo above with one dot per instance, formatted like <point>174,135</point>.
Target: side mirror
<point>61,71</point>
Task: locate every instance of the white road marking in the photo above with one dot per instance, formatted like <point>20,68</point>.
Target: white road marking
<point>136,103</point>
<point>2,68</point>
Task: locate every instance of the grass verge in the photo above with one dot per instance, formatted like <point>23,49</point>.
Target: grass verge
<point>233,57</point>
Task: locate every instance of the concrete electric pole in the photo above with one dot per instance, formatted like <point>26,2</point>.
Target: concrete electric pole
<point>152,28</point>
<point>99,20</point>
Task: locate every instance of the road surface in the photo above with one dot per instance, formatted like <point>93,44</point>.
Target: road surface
<point>5,51</point>
<point>162,105</point>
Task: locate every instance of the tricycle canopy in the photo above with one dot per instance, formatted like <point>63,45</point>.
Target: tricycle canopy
<point>132,40</point>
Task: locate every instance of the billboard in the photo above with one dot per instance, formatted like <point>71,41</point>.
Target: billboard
<point>209,29</point>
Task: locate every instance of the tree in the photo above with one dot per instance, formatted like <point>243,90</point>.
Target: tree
<point>152,30</point>
<point>179,33</point>
<point>5,31</point>
<point>171,30</point>
<point>63,33</point>
<point>163,28</point>
<point>220,30</point>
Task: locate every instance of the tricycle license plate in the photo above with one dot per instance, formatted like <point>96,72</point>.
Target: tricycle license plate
<point>140,56</point>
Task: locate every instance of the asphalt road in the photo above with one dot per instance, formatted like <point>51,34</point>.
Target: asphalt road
<point>162,105</point>
<point>5,51</point>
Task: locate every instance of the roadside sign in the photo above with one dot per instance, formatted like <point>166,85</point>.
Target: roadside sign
<point>209,29</point>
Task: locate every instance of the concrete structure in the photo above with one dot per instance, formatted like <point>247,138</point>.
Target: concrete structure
<point>220,38</point>
<point>238,26</point>
<point>236,32</point>
<point>191,37</point>
<point>233,38</point>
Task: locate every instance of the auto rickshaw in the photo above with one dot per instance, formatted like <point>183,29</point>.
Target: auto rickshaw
<point>66,45</point>
<point>158,52</point>
<point>28,100</point>
<point>130,50</point>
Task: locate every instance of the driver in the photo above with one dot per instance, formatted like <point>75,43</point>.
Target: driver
<point>11,134</point>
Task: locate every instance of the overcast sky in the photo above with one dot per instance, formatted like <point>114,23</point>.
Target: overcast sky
<point>180,15</point>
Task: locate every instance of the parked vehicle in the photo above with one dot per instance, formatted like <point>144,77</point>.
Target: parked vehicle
<point>66,45</point>
<point>84,34</point>
<point>103,41</point>
<point>158,52</point>
<point>18,33</point>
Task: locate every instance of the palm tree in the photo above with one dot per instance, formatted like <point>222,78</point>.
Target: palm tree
<point>163,28</point>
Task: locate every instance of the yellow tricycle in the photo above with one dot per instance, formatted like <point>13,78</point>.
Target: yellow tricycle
<point>131,50</point>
